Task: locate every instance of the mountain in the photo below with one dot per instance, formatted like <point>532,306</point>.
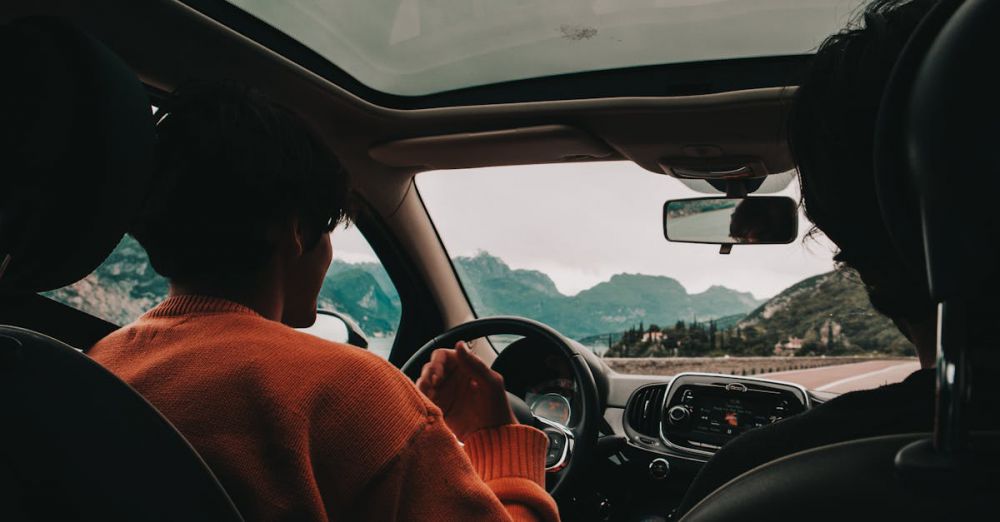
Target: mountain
<point>828,309</point>
<point>125,286</point>
<point>729,321</point>
<point>364,292</point>
<point>610,306</point>
<point>120,290</point>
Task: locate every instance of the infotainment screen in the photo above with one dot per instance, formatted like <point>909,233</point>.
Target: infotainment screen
<point>730,415</point>
<point>706,416</point>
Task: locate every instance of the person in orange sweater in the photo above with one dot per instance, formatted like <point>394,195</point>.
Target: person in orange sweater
<point>295,427</point>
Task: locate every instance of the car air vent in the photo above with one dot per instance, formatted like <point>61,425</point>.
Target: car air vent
<point>643,411</point>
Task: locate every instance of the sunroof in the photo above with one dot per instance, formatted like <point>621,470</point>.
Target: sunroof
<point>421,47</point>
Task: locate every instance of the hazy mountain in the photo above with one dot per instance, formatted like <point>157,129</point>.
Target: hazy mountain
<point>729,321</point>
<point>610,306</point>
<point>125,286</point>
<point>364,292</point>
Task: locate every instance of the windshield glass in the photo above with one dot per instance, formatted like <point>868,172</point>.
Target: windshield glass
<point>416,47</point>
<point>580,247</point>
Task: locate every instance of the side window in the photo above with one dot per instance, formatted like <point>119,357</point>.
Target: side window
<point>125,286</point>
<point>358,286</point>
<point>120,290</point>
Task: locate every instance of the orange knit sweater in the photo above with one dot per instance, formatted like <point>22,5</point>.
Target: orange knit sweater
<point>298,428</point>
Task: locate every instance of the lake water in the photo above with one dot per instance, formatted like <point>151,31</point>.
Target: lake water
<point>381,346</point>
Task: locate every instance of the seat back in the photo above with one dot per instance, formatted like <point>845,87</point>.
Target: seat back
<point>80,444</point>
<point>77,443</point>
<point>855,480</point>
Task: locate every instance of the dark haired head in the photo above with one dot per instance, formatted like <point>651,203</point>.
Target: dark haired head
<point>234,168</point>
<point>832,135</point>
<point>762,220</point>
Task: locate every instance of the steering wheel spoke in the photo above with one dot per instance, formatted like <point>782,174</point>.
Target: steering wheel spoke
<point>560,449</point>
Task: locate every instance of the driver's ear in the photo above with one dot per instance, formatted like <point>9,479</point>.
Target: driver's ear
<point>290,238</point>
<point>299,235</point>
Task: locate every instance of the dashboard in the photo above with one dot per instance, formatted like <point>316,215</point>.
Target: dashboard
<point>702,413</point>
<point>657,431</point>
<point>697,414</point>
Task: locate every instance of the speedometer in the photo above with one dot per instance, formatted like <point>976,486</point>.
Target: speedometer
<point>553,407</point>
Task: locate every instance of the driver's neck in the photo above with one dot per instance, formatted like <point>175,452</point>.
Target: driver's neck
<point>263,294</point>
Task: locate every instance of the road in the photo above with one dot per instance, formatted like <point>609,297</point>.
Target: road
<point>709,227</point>
<point>848,377</point>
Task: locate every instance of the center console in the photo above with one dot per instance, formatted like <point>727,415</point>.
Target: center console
<point>702,412</point>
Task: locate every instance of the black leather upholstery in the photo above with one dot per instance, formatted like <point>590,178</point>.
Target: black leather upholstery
<point>77,142</point>
<point>854,480</point>
<point>77,443</point>
<point>952,148</point>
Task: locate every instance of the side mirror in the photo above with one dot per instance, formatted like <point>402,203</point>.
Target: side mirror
<point>337,327</point>
<point>730,221</point>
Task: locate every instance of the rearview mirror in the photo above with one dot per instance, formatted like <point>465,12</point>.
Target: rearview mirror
<point>731,221</point>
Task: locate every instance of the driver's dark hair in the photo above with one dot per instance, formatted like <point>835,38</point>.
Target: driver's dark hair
<point>232,167</point>
<point>832,136</point>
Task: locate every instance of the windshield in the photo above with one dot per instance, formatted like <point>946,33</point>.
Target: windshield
<point>417,47</point>
<point>580,247</point>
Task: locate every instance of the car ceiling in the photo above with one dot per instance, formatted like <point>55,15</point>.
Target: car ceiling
<point>168,43</point>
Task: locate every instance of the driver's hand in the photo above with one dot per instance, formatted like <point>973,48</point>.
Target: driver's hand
<point>470,394</point>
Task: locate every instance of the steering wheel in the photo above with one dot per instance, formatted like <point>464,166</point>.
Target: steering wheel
<point>570,447</point>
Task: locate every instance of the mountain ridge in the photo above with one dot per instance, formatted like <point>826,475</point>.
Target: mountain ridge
<point>125,286</point>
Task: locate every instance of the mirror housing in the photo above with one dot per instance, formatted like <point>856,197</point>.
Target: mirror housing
<point>337,327</point>
<point>763,220</point>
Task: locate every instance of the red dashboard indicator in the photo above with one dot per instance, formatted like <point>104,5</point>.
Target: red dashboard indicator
<point>732,419</point>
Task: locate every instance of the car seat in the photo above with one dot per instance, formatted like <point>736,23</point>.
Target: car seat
<point>77,443</point>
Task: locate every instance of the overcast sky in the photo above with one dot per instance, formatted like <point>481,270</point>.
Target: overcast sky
<point>583,223</point>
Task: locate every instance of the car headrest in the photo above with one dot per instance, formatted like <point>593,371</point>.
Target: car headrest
<point>78,140</point>
<point>898,200</point>
<point>954,122</point>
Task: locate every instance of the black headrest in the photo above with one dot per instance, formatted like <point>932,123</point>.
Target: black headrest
<point>77,148</point>
<point>898,201</point>
<point>954,126</point>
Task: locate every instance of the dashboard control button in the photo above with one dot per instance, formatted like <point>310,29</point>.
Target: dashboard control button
<point>678,414</point>
<point>659,469</point>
